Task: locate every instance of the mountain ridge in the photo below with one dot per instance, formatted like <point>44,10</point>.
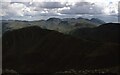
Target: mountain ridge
<point>51,24</point>
<point>108,32</point>
<point>36,50</point>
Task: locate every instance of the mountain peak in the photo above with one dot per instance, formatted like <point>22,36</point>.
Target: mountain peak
<point>54,19</point>
<point>96,20</point>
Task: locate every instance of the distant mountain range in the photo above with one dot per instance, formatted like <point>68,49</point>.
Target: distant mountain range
<point>36,50</point>
<point>62,25</point>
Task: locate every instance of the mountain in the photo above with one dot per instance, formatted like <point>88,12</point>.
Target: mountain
<point>53,20</point>
<point>97,21</point>
<point>108,32</point>
<point>80,20</point>
<point>52,24</point>
<point>13,24</point>
<point>36,50</point>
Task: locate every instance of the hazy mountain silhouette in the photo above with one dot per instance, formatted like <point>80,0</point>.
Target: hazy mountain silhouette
<point>36,50</point>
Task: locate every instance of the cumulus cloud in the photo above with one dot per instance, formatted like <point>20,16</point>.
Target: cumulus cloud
<point>51,5</point>
<point>14,9</point>
<point>17,10</point>
<point>83,8</point>
<point>32,9</point>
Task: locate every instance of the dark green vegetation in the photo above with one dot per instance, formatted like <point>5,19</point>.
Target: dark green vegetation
<point>36,50</point>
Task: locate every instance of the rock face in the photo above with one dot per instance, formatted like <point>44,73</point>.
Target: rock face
<point>36,50</point>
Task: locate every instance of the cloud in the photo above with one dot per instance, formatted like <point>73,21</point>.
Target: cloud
<point>5,0</point>
<point>51,5</point>
<point>15,9</point>
<point>111,8</point>
<point>38,10</point>
<point>83,8</point>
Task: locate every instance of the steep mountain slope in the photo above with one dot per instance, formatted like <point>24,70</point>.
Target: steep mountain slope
<point>105,33</point>
<point>36,50</point>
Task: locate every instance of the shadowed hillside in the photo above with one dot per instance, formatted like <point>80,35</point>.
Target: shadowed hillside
<point>36,50</point>
<point>109,32</point>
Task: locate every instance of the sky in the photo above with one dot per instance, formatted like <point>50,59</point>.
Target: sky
<point>106,10</point>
